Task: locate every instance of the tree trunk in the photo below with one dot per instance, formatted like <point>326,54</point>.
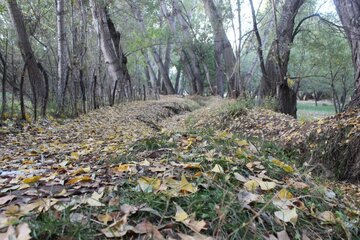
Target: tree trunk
<point>4,73</point>
<point>349,12</point>
<point>223,47</point>
<point>274,84</point>
<point>188,48</point>
<point>109,48</point>
<point>35,76</point>
<point>61,40</point>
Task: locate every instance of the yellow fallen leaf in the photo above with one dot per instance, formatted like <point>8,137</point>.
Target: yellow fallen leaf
<point>251,185</point>
<point>31,179</point>
<point>105,218</point>
<point>123,168</point>
<point>186,187</point>
<point>218,169</point>
<point>147,184</point>
<point>287,215</point>
<point>285,194</point>
<point>266,185</point>
<point>192,166</point>
<point>74,156</point>
<point>80,171</point>
<point>180,214</point>
<point>78,179</point>
<point>242,143</point>
<point>144,163</point>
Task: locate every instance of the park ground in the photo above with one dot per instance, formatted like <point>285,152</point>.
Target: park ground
<point>178,168</point>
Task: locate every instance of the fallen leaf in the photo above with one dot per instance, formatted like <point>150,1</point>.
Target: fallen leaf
<point>240,178</point>
<point>327,217</point>
<point>123,168</point>
<point>287,215</point>
<point>285,194</point>
<point>283,235</point>
<point>22,232</point>
<point>78,179</point>
<point>118,229</point>
<point>6,199</point>
<point>80,171</point>
<point>186,187</point>
<point>78,218</point>
<point>104,218</point>
<point>196,236</point>
<point>194,225</point>
<point>31,179</point>
<point>180,214</point>
<point>246,198</point>
<point>217,169</point>
<point>266,186</point>
<point>148,228</point>
<point>251,185</point>
<point>128,209</point>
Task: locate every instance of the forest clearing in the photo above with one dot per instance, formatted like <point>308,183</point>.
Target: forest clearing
<point>180,119</point>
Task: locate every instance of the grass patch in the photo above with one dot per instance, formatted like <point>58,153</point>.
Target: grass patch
<point>309,111</point>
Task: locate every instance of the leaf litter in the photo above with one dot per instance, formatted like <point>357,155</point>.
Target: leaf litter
<point>53,167</point>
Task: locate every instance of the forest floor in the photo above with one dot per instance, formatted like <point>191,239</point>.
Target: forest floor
<point>178,168</point>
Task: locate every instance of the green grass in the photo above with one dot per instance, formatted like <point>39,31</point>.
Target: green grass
<point>216,200</point>
<point>309,111</point>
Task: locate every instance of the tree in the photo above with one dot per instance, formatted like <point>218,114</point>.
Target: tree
<point>223,51</point>
<point>62,65</point>
<point>275,82</point>
<point>157,57</point>
<point>35,75</point>
<point>349,13</point>
<point>188,48</point>
<point>111,49</point>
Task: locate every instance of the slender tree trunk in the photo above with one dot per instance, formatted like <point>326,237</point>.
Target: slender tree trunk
<point>349,12</point>
<point>163,67</point>
<point>223,48</point>
<point>62,58</point>
<point>186,37</point>
<point>110,48</point>
<point>4,73</point>
<point>35,76</point>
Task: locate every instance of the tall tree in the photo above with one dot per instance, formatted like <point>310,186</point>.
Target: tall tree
<point>4,73</point>
<point>191,58</point>
<point>162,66</point>
<point>110,46</point>
<point>223,50</point>
<point>275,82</point>
<point>35,75</point>
<point>62,59</point>
<point>349,12</point>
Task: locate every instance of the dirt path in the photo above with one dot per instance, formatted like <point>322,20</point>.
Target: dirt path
<point>52,154</point>
<point>181,123</point>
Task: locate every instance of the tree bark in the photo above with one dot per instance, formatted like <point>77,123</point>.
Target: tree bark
<point>62,50</point>
<point>35,76</point>
<point>4,73</point>
<point>224,48</point>
<point>349,13</point>
<point>109,48</point>
<point>274,83</point>
<point>192,60</point>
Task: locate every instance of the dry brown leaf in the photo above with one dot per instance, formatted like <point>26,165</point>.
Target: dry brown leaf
<point>21,232</point>
<point>6,199</point>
